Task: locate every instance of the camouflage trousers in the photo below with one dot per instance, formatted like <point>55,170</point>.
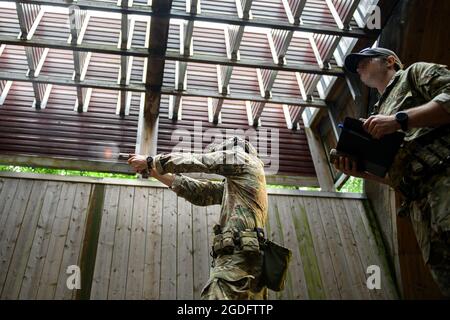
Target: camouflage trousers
<point>430,217</point>
<point>236,276</point>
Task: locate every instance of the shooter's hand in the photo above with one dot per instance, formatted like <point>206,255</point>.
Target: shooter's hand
<point>138,163</point>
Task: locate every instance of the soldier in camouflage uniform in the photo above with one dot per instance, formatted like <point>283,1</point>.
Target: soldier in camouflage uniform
<point>237,266</point>
<point>416,101</point>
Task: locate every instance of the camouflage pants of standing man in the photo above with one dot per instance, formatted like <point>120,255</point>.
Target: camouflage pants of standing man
<point>430,217</point>
<point>235,276</point>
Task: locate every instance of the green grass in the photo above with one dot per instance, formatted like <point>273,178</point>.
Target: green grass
<point>63,172</point>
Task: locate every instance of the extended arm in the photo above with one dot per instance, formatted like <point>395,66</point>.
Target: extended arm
<point>198,192</point>
<point>224,163</point>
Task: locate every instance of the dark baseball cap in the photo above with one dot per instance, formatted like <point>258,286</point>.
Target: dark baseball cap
<point>352,60</point>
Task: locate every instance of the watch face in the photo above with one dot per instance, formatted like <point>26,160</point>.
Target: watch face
<point>401,116</point>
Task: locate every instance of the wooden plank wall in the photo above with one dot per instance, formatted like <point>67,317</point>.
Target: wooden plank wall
<point>152,245</point>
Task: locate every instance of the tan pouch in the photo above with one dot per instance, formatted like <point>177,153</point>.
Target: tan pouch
<point>227,242</point>
<point>249,241</point>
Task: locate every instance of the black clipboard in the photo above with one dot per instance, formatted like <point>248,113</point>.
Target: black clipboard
<point>372,155</point>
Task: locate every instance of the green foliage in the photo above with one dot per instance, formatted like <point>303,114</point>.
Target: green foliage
<point>276,186</point>
<point>354,185</point>
<point>63,172</point>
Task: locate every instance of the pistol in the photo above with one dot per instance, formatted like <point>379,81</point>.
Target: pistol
<point>145,174</point>
<point>125,156</point>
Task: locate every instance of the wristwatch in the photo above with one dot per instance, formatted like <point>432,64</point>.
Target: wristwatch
<point>149,163</point>
<point>402,118</point>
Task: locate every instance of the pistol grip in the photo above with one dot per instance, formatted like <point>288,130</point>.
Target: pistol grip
<point>145,174</point>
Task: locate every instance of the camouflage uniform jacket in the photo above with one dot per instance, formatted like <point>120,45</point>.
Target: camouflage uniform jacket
<point>415,86</point>
<point>420,83</point>
<point>243,190</point>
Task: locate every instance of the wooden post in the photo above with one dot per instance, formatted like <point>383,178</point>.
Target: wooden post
<point>320,161</point>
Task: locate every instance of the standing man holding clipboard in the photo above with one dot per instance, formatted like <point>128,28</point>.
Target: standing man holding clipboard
<point>417,102</point>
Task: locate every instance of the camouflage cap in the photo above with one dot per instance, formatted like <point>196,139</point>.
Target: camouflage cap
<point>352,60</point>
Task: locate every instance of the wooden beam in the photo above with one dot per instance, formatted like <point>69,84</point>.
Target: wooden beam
<point>5,86</point>
<point>163,90</point>
<point>320,161</point>
<point>343,24</point>
<point>78,20</point>
<point>354,86</point>
<point>124,60</point>
<point>294,10</point>
<point>159,33</point>
<point>296,115</point>
<point>173,55</point>
<point>147,132</point>
<point>334,125</point>
<point>267,77</point>
<point>29,16</point>
<point>254,111</point>
<point>281,39</point>
<point>233,38</point>
<point>215,110</point>
<point>346,21</point>
<point>175,102</point>
<point>335,14</point>
<point>324,62</point>
<point>186,49</point>
<point>207,17</point>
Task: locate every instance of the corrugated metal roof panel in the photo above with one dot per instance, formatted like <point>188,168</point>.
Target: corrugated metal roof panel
<point>324,44</point>
<point>9,23</point>
<point>13,59</point>
<point>58,63</point>
<point>255,46</point>
<point>244,80</point>
<point>174,36</point>
<point>59,131</point>
<point>202,76</point>
<point>286,85</point>
<point>269,9</point>
<point>139,34</point>
<point>137,70</point>
<point>102,30</point>
<point>227,7</point>
<point>300,51</point>
<point>53,26</point>
<point>342,7</point>
<point>179,4</point>
<point>103,67</point>
<point>169,73</point>
<point>209,41</point>
<point>317,12</point>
